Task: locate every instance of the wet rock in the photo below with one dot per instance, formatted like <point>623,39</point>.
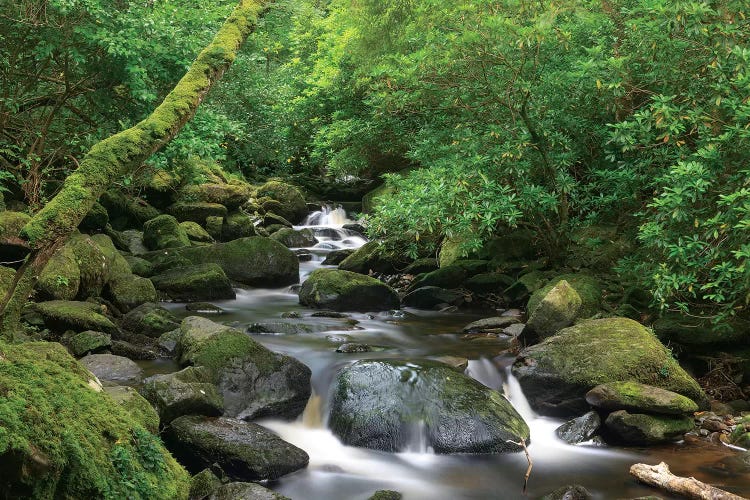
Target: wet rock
<point>579,429</point>
<point>514,330</point>
<point>640,429</point>
<point>204,484</point>
<point>89,342</point>
<point>291,238</point>
<point>245,491</point>
<point>346,291</point>
<point>274,222</point>
<point>136,351</point>
<point>204,308</point>
<point>385,404</point>
<point>237,225</point>
<point>140,267</point>
<point>496,324</point>
<point>556,374</point>
<point>168,341</point>
<point>244,451</point>
<point>558,308</point>
<point>373,257</point>
<point>336,257</point>
<point>428,297</point>
<point>291,203</point>
<point>420,266</point>
<point>129,291</point>
<point>456,362</point>
<point>569,492</point>
<point>329,314</point>
<point>149,319</point>
<point>164,232</point>
<point>639,398</point>
<point>353,226</point>
<point>192,283</point>
<point>117,370</point>
<point>352,347</point>
<point>136,405</point>
<point>304,256</point>
<point>445,277</point>
<point>187,392</point>
<point>62,315</point>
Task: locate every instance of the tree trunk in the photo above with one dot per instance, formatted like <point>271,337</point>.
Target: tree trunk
<point>114,157</point>
<point>660,477</point>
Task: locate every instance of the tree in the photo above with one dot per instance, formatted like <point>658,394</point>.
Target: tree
<point>118,155</point>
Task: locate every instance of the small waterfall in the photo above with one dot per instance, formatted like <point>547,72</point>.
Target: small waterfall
<point>327,216</point>
<point>313,415</point>
<point>418,439</point>
<point>327,224</point>
<point>515,395</point>
<point>484,371</point>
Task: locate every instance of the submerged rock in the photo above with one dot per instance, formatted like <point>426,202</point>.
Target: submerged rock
<point>244,451</point>
<point>387,404</point>
<point>346,291</point>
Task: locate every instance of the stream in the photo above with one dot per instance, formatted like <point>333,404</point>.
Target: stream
<point>343,472</point>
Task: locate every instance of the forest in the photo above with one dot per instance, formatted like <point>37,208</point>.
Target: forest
<point>402,226</point>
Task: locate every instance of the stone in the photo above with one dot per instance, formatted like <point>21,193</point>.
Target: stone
<point>346,291</point>
<point>60,278</point>
<point>558,308</point>
<point>640,429</point>
<point>579,429</point>
<point>117,370</point>
<point>387,404</point>
<point>244,451</point>
<point>195,232</point>
<point>237,225</point>
<point>89,341</point>
<point>353,348</point>
<point>130,291</point>
<point>195,283</point>
<point>96,220</point>
<point>203,484</point>
<point>63,315</point>
<point>164,232</point>
<point>336,257</point>
<point>245,491</point>
<point>495,324</point>
<point>587,287</point>
<point>421,266</point>
<point>386,495</point>
<point>639,398</point>
<point>196,211</point>
<point>556,374</point>
<point>291,203</point>
<point>485,283</point>
<point>569,492</point>
<point>292,238</point>
<point>445,277</point>
<point>140,267</point>
<point>187,392</point>
<point>149,319</point>
<point>231,196</point>
<point>204,308</point>
<point>373,257</point>
<point>428,297</point>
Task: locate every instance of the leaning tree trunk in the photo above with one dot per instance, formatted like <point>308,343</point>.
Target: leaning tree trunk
<point>114,157</point>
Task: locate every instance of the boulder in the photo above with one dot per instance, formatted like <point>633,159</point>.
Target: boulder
<point>428,297</point>
<point>117,370</point>
<point>204,484</point>
<point>134,240</point>
<point>485,283</point>
<point>237,225</point>
<point>7,275</point>
<point>60,278</point>
<point>245,491</point>
<point>195,232</point>
<point>572,492</point>
<point>140,267</point>
<point>62,315</point>
<point>12,247</point>
<point>231,196</point>
<point>346,291</point>
<point>253,381</point>
<point>639,429</point>
<point>87,342</point>
<point>292,204</point>
<point>495,324</point>
<point>62,437</point>
<point>558,308</point>
<point>556,374</point>
<point>420,266</point>
<point>138,407</point>
<point>387,404</point>
<point>291,238</point>
<point>196,211</point>
<point>195,283</point>
<point>187,392</point>
<point>587,287</point>
<point>149,319</point>
<point>579,429</point>
<point>271,220</point>
<point>372,256</point>
<point>336,257</point>
<point>445,277</point>
<point>639,398</point>
<point>130,291</point>
<point>164,232</point>
<point>214,226</point>
<point>96,220</point>
<point>244,451</point>
<point>698,334</point>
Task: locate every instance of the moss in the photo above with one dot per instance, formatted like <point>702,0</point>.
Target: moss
<point>195,232</point>
<point>6,279</point>
<point>139,266</point>
<point>11,224</point>
<point>204,484</point>
<point>370,200</point>
<point>198,282</point>
<point>60,278</point>
<point>88,341</point>
<point>129,291</point>
<point>71,315</point>
<point>231,196</point>
<point>92,263</point>
<point>640,429</point>
<point>138,407</point>
<point>96,220</point>
<point>633,396</point>
<point>294,239</point>
<point>196,211</point>
<point>558,308</point>
<point>164,232</point>
<point>586,286</point>
<point>116,265</point>
<point>372,256</point>
<point>451,250</point>
<point>346,291</point>
<point>237,225</point>
<point>292,203</point>
<point>59,438</point>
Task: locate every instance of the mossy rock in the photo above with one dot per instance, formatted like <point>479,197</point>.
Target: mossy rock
<point>558,308</point>
<point>96,220</point>
<point>63,315</point>
<point>237,225</point>
<point>140,267</point>
<point>430,297</point>
<point>419,266</point>
<point>291,238</point>
<point>130,291</point>
<point>510,249</point>
<point>136,405</point>
<point>245,491</point>
<point>112,369</point>
<point>60,438</point>
<point>195,283</point>
<point>346,291</point>
<point>92,265</point>
<point>139,211</point>
<point>698,333</point>
<point>293,207</point>
<point>270,219</point>
<point>370,200</point>
<point>445,277</point>
<point>386,495</point>
<point>149,319</point>
<point>115,263</point>
<point>60,278</point>
<point>196,211</point>
<point>87,342</point>
<point>164,232</point>
<point>188,392</point>
<point>372,256</point>
<point>7,275</point>
<point>639,398</point>
<point>214,226</point>
<point>382,404</point>
<point>451,250</point>
<point>556,374</point>
<point>587,287</point>
<point>484,283</point>
<point>12,247</point>
<point>231,196</point>
<point>195,232</point>
<point>204,484</point>
<point>640,429</point>
<point>336,257</point>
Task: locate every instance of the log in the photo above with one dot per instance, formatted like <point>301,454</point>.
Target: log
<point>659,476</point>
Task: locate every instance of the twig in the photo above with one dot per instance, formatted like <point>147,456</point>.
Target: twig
<point>526,476</point>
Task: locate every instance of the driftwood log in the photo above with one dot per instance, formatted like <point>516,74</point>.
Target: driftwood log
<point>660,477</point>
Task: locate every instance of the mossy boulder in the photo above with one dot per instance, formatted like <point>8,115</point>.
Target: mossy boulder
<point>149,319</point>
<point>639,398</point>
<point>214,226</point>
<point>237,225</point>
<point>556,374</point>
<point>231,196</point>
<point>136,405</point>
<point>61,438</point>
<point>511,249</point>
<point>587,287</point>
<point>558,308</point>
<point>292,204</point>
<point>140,267</point>
<point>203,484</point>
<point>485,283</point>
<point>195,232</point>
<point>12,247</point>
<point>445,277</point>
<point>388,404</point>
<point>270,220</point>
<point>196,211</point>
<point>430,297</point>
<point>254,261</point>
<point>130,291</point>
<point>419,266</point>
<point>697,334</point>
<point>370,199</point>
<point>253,381</point>
<point>138,212</point>
<point>451,250</point>
<point>63,315</point>
<point>346,291</point>
<point>291,238</point>
<point>87,342</point>
<point>336,257</point>
<point>7,275</point>
<point>164,232</point>
<point>115,370</point>
<point>60,278</point>
<point>245,491</point>
<point>92,263</point>
<point>372,256</point>
<point>188,392</point>
<point>195,283</point>
<point>640,429</point>
<point>96,220</point>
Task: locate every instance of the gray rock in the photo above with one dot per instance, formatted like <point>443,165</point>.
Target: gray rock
<point>352,348</point>
<point>579,429</point>
<point>639,398</point>
<point>187,392</point>
<point>569,492</point>
<point>495,324</point>
<point>116,370</point>
<point>640,429</point>
<point>557,310</point>
<point>245,491</point>
<point>428,297</point>
<point>149,319</point>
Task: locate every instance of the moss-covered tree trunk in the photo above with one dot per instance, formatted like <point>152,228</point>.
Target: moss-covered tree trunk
<point>114,157</point>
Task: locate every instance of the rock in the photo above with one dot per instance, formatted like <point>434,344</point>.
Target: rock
<point>587,287</point>
<point>60,278</point>
<point>569,492</point>
<point>639,398</point>
<point>204,484</point>
<point>204,308</point>
<point>187,392</point>
<point>556,374</point>
<point>111,368</point>
<point>579,429</point>
<point>168,341</point>
<point>428,297</point>
<point>7,275</point>
<point>254,261</point>
<point>699,334</point>
<point>292,204</point>
<point>66,435</point>
<point>253,381</point>
<point>353,348</point>
<point>558,308</point>
<point>445,277</point>
<point>421,266</point>
<point>12,247</point>
<point>130,291</point>
<point>245,491</point>
<point>136,405</point>
<point>62,315</point>
<point>195,232</point>
<point>456,362</point>
<point>336,257</point>
<point>244,451</point>
<point>295,239</point>
<point>237,225</point>
<point>346,291</point>
<point>514,330</point>
<point>386,404</point>
<point>373,257</point>
<point>485,283</point>
<point>214,226</point>
<point>231,196</point>
<point>150,319</point>
<point>270,220</point>
<point>495,324</point>
<point>295,327</point>
<point>386,495</point>
<point>89,342</point>
<point>140,267</point>
<point>639,429</point>
<point>134,239</point>
<point>196,211</point>
<point>164,232</point>
<point>193,283</point>
<point>96,220</point>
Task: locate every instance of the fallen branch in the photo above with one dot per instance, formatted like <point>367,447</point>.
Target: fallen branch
<point>659,476</point>
<point>526,476</point>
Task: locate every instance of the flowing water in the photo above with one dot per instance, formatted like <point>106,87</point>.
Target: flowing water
<point>343,472</point>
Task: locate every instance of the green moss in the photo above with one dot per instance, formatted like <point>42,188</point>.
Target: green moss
<point>71,315</point>
<point>135,404</point>
<point>346,291</point>
<point>11,224</point>
<point>196,211</point>
<point>292,203</point>
<point>203,484</point>
<point>96,220</point>
<point>88,341</point>
<point>61,276</point>
<point>6,279</point>
<point>195,232</point>
<point>586,286</point>
<point>130,291</point>
<point>164,232</point>
<point>59,438</point>
<point>198,282</point>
